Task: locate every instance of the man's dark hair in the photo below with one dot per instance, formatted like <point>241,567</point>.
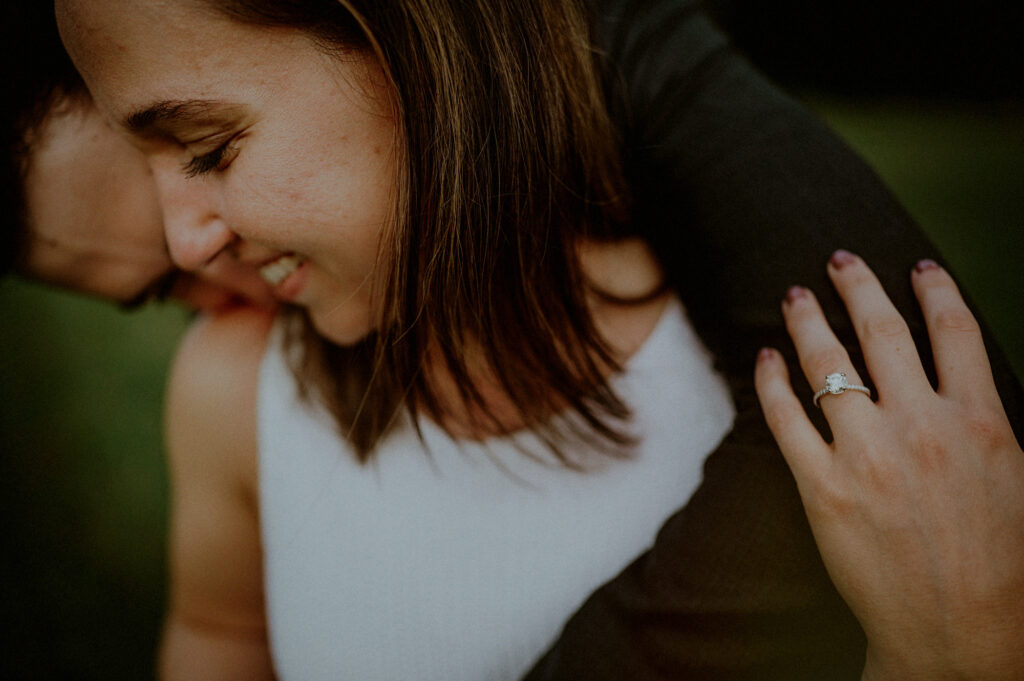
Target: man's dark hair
<point>37,74</point>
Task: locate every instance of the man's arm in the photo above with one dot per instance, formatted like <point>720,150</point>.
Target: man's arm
<point>742,193</point>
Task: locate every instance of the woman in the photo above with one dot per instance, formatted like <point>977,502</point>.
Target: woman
<point>316,227</point>
<point>312,203</point>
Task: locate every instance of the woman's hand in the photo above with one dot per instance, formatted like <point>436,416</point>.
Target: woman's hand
<point>918,503</point>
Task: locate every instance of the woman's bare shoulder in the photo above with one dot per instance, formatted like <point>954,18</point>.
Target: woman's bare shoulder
<point>212,393</point>
<point>216,614</point>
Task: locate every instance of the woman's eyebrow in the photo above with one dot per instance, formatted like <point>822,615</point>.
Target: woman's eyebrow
<point>169,118</point>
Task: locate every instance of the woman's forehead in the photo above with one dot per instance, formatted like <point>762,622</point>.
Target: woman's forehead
<point>129,52</point>
<point>174,51</point>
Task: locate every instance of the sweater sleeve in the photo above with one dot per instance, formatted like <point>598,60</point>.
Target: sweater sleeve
<point>742,192</point>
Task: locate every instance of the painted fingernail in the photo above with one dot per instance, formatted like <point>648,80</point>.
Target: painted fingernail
<point>795,293</point>
<point>765,354</point>
<point>925,265</point>
<point>842,257</point>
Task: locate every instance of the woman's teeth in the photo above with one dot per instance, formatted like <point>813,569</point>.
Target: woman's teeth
<point>278,270</point>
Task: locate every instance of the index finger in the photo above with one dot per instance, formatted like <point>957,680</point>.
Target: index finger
<point>802,445</point>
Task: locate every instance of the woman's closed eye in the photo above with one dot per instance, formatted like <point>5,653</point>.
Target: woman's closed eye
<point>218,159</point>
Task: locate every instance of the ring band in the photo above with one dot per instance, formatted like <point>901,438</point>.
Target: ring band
<point>836,384</point>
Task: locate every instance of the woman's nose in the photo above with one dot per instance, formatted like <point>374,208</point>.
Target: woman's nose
<point>195,231</point>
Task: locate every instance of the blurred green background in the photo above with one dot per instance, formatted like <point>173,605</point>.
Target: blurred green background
<point>81,471</point>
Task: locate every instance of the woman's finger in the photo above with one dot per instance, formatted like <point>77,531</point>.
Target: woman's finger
<point>960,359</point>
<point>801,444</point>
<point>889,350</point>
<point>823,356</point>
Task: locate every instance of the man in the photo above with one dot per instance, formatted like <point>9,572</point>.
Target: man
<point>83,236</point>
<point>81,481</point>
<point>80,205</point>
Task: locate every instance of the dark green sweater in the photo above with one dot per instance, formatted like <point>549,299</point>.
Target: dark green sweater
<point>743,193</point>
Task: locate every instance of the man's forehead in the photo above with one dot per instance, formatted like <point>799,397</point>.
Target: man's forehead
<point>81,241</point>
<point>106,272</point>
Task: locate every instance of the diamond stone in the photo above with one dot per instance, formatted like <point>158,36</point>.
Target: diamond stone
<point>835,383</point>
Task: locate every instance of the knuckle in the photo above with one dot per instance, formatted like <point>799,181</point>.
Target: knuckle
<point>883,477</point>
<point>779,416</point>
<point>857,277</point>
<point>848,268</point>
<point>989,431</point>
<point>939,282</point>
<point>879,473</point>
<point>883,327</point>
<point>804,311</point>
<point>862,276</point>
<point>956,321</point>
<point>929,449</point>
<point>835,500</point>
<point>822,362</point>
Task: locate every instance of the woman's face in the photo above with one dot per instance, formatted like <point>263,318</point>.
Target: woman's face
<point>259,141</point>
<point>94,224</point>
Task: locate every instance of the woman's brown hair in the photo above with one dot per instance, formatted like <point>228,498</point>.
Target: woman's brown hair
<point>508,160</point>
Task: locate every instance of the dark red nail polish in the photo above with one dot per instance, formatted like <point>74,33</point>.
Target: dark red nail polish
<point>795,293</point>
<point>841,258</point>
<point>925,265</point>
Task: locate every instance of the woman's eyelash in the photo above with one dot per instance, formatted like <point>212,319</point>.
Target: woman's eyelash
<point>206,163</point>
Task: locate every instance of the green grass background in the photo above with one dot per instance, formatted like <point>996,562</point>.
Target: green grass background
<point>81,468</point>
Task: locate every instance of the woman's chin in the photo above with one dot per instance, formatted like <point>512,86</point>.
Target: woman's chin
<point>343,327</point>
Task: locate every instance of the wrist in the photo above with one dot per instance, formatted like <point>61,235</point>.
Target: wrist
<point>882,666</point>
<point>980,661</point>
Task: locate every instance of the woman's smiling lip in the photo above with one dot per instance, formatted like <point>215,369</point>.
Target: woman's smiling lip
<point>286,274</point>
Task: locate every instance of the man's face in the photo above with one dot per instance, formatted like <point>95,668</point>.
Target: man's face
<point>95,225</point>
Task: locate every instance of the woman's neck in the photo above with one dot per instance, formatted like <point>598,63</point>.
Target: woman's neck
<point>625,296</point>
<point>626,292</point>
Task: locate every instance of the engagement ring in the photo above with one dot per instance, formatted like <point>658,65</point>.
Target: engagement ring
<point>836,384</point>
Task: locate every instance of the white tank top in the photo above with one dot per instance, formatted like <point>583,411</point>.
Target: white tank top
<point>464,562</point>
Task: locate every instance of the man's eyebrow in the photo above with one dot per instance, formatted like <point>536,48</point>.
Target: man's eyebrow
<point>169,117</point>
